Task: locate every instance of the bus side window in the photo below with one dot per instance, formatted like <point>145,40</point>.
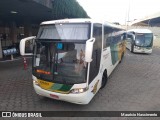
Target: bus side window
<point>117,36</point>
<point>107,36</point>
<point>97,33</point>
<point>130,37</point>
<point>108,41</point>
<point>124,36</point>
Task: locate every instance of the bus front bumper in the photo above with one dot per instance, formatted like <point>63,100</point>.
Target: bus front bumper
<point>142,50</point>
<point>80,98</point>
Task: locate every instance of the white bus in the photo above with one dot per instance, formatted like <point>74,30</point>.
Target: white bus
<point>139,40</point>
<point>72,58</point>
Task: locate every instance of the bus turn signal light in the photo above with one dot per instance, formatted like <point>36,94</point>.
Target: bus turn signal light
<point>43,72</point>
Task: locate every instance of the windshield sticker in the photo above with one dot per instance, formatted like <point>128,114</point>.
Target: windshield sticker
<point>59,46</point>
<point>80,56</point>
<point>37,61</point>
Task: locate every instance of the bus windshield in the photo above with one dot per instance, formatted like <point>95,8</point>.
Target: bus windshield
<point>60,62</point>
<point>65,31</point>
<point>144,39</point>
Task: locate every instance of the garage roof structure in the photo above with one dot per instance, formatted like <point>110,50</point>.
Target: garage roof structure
<point>152,20</point>
<point>21,10</point>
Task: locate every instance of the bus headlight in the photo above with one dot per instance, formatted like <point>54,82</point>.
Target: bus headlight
<point>137,47</point>
<point>78,90</point>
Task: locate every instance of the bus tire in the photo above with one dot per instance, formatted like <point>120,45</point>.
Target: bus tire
<point>122,55</point>
<point>132,48</point>
<point>104,79</point>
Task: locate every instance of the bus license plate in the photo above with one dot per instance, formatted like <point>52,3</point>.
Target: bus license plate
<point>143,51</point>
<point>54,96</point>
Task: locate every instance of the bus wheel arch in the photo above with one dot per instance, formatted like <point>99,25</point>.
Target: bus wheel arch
<point>104,79</point>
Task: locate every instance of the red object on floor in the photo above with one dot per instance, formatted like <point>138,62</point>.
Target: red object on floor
<point>25,63</point>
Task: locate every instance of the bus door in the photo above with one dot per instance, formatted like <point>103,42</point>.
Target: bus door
<point>130,41</point>
<point>96,55</point>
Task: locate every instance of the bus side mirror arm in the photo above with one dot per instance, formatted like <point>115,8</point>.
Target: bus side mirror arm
<point>89,50</point>
<point>22,45</point>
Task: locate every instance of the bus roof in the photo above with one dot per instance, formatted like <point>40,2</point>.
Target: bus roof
<point>81,20</point>
<point>140,30</point>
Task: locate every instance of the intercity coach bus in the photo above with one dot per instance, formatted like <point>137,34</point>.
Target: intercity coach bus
<point>72,58</point>
<point>139,40</point>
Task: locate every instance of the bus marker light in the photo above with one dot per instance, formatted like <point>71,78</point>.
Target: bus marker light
<point>43,72</point>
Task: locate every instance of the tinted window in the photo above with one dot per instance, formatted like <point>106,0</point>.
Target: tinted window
<point>66,31</point>
<point>144,39</point>
<point>112,36</point>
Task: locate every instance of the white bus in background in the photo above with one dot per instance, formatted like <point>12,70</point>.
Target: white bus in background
<point>72,58</point>
<point>139,40</point>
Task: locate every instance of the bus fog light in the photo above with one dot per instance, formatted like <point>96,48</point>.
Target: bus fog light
<point>36,82</point>
<point>78,90</point>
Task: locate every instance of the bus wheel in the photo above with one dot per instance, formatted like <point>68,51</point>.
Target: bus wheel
<point>121,57</point>
<point>132,48</point>
<point>104,79</point>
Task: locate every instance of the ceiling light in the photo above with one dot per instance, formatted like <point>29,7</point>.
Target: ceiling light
<point>14,12</point>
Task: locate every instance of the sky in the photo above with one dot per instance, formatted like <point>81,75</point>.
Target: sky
<point>120,10</point>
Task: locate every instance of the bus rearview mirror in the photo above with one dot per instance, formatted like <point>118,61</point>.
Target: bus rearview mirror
<point>89,49</point>
<point>26,45</point>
